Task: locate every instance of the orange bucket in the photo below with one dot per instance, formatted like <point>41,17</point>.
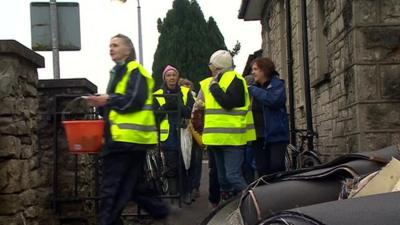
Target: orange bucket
<point>84,136</point>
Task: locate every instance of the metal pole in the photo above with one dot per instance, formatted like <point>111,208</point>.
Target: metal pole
<point>307,76</point>
<point>140,33</point>
<point>55,154</point>
<point>54,38</point>
<point>290,73</point>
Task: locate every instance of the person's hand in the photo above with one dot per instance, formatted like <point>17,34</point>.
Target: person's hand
<point>213,81</point>
<point>249,79</point>
<point>198,104</point>
<point>96,100</point>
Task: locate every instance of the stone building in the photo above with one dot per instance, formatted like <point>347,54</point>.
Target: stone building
<point>354,67</point>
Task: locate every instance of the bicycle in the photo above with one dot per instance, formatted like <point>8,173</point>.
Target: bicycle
<point>299,156</point>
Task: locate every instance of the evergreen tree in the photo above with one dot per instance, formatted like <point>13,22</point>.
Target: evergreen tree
<point>215,38</point>
<point>186,41</point>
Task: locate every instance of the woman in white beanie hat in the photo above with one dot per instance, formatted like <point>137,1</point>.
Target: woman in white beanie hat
<point>226,122</point>
<point>222,60</point>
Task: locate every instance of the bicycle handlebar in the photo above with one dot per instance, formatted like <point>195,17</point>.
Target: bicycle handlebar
<point>304,133</point>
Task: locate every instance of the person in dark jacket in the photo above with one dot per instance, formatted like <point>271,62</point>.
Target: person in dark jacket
<point>130,130</point>
<point>269,96</point>
<point>214,194</point>
<point>226,103</point>
<point>196,162</point>
<point>169,125</point>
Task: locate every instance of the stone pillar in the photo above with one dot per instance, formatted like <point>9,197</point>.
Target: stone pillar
<point>357,108</point>
<point>22,187</point>
<point>55,97</point>
<point>377,72</point>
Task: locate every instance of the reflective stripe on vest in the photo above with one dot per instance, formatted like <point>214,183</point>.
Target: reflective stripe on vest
<point>164,125</point>
<point>226,112</point>
<point>251,130</point>
<point>226,127</point>
<point>136,127</point>
<point>228,130</point>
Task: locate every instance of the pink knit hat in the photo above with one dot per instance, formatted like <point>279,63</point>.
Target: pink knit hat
<point>168,68</point>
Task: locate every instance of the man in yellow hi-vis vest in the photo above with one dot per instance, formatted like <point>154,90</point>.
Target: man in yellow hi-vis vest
<point>228,122</point>
<point>169,125</point>
<point>130,130</point>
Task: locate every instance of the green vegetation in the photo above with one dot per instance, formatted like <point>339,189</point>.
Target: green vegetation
<point>186,41</point>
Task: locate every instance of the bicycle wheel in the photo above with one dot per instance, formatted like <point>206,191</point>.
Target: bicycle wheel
<point>162,173</point>
<point>288,160</point>
<point>155,175</point>
<point>288,157</point>
<point>309,160</point>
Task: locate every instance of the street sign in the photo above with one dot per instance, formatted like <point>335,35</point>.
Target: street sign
<point>69,35</point>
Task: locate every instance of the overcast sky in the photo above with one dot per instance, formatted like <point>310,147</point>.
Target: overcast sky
<point>101,19</point>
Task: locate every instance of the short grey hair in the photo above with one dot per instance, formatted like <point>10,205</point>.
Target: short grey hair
<point>128,42</point>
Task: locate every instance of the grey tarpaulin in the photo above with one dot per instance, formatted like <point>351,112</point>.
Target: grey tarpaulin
<point>310,187</point>
<point>272,194</point>
<point>370,210</point>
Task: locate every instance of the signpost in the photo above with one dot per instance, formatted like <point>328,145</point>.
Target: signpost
<point>55,27</point>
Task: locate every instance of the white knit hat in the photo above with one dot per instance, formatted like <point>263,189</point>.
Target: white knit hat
<point>221,59</point>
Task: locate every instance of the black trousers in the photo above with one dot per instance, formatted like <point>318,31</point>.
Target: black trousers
<point>172,163</point>
<point>122,174</point>
<point>213,186</point>
<point>270,158</point>
<point>196,165</point>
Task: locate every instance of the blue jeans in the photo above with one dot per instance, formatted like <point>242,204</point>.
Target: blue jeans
<point>248,167</point>
<point>229,160</point>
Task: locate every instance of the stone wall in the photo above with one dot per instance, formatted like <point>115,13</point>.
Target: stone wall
<point>22,187</point>
<point>28,121</point>
<point>354,61</point>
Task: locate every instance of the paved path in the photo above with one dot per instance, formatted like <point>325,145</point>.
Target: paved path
<point>189,214</point>
<point>198,210</point>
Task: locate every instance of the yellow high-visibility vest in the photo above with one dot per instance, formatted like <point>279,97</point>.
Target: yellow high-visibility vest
<point>136,127</point>
<point>164,125</point>
<point>226,127</point>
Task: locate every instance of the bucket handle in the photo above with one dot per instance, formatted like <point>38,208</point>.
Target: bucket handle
<point>87,115</point>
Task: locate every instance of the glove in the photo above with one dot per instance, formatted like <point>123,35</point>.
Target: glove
<point>170,103</point>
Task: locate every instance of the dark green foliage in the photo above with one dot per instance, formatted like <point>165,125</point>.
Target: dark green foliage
<point>215,38</point>
<point>186,41</point>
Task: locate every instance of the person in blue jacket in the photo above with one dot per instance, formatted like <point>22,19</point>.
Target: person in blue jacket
<point>268,95</point>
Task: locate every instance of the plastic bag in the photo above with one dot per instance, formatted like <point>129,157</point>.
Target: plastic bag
<point>186,146</point>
